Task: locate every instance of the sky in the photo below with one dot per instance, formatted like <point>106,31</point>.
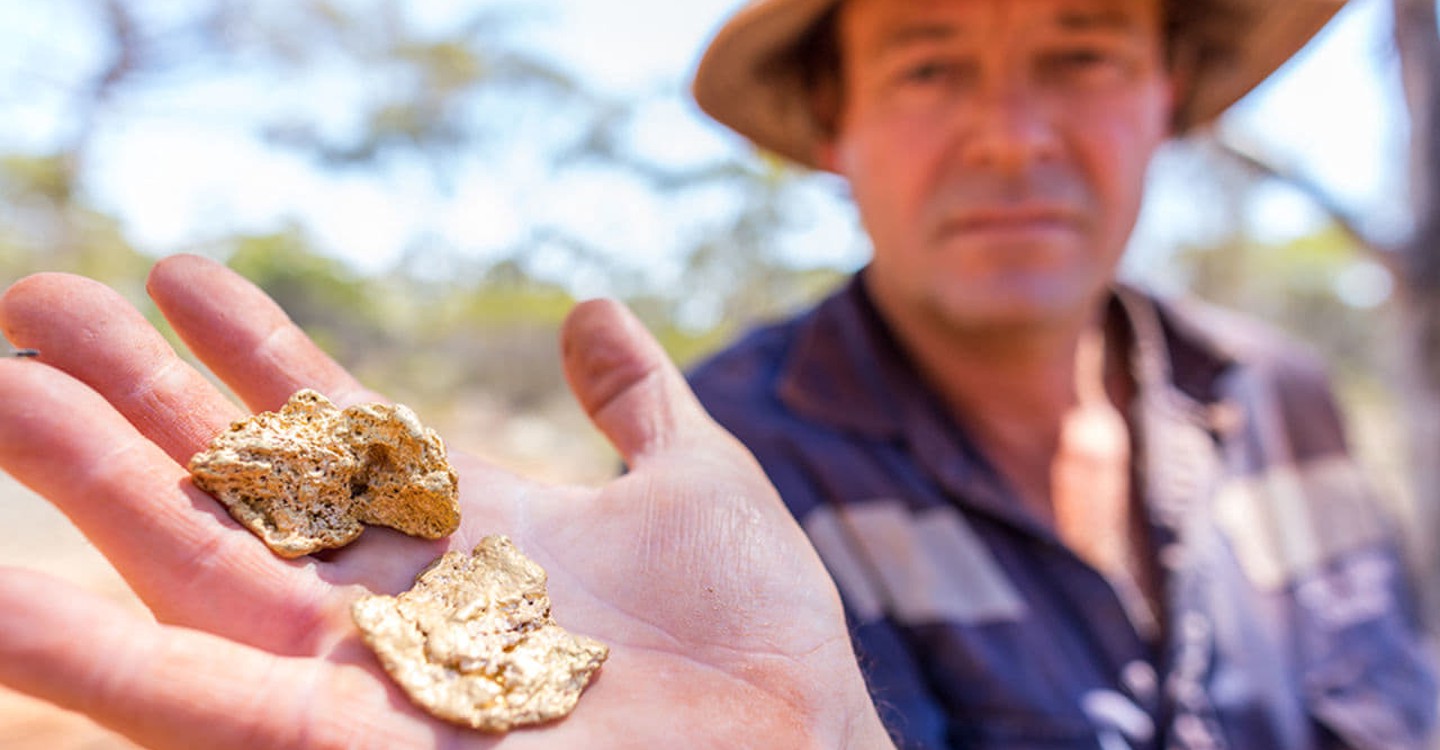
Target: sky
<point>183,162</point>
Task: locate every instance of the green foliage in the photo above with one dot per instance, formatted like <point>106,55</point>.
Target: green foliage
<point>44,177</point>
<point>320,294</point>
<point>44,226</point>
<point>1294,285</point>
<point>482,327</point>
<point>311,287</point>
<point>507,296</point>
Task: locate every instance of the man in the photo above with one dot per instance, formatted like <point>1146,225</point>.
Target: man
<point>1060,513</point>
<point>724,629</point>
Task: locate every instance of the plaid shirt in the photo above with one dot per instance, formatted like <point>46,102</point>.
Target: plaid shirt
<point>1287,619</point>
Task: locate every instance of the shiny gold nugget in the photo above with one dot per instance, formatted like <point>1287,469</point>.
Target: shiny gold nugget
<point>310,476</point>
<point>473,641</point>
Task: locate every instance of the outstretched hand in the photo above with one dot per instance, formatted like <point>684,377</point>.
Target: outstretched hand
<point>723,626</point>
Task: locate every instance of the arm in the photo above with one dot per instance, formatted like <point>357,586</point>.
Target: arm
<point>723,625</point>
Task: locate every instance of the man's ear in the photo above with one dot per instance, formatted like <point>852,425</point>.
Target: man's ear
<point>1179,86</point>
<point>827,155</point>
<point>1180,75</point>
<point>823,98</point>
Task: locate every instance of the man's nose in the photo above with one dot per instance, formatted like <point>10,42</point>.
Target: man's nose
<point>1006,129</point>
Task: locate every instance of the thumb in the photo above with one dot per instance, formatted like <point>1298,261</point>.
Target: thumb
<point>627,385</point>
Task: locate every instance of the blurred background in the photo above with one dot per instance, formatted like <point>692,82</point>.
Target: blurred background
<point>428,186</point>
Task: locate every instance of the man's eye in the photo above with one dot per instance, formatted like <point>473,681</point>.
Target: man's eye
<point>924,72</point>
<point>1084,62</point>
<point>932,72</point>
<point>1083,58</point>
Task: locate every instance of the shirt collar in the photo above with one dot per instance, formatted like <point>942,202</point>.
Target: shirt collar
<point>847,370</point>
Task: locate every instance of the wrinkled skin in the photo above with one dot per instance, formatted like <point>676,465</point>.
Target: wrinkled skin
<point>996,151</point>
<point>723,626</point>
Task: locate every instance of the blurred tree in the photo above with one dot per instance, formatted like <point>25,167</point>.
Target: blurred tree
<point>1300,285</point>
<point>421,95</point>
<point>1418,44</point>
<point>1413,263</point>
<point>733,262</point>
<point>402,96</point>
<point>47,225</point>
<point>399,93</point>
<point>321,295</point>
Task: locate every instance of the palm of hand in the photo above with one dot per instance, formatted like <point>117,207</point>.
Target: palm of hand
<point>722,625</point>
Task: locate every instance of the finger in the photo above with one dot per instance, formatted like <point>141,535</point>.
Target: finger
<point>627,384</point>
<point>174,545</point>
<point>168,687</point>
<point>88,330</point>
<point>244,337</point>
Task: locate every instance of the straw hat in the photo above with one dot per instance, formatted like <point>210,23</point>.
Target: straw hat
<point>743,81</point>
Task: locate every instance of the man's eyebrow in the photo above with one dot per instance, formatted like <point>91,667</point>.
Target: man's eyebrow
<point>911,33</point>
<point>1112,19</point>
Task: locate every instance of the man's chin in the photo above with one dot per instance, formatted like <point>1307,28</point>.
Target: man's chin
<point>1016,307</point>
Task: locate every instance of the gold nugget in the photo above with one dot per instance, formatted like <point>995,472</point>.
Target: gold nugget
<point>310,476</point>
<point>473,641</point>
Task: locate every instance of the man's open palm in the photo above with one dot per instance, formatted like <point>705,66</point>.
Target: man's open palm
<point>723,627</point>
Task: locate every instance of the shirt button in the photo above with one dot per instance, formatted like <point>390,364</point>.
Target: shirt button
<point>1185,692</point>
<point>1195,626</point>
<point>1172,556</point>
<point>1226,417</point>
<point>1140,679</point>
<point>1191,731</point>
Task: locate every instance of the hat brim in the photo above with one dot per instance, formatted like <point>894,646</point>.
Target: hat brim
<point>737,82</point>
<point>1269,33</point>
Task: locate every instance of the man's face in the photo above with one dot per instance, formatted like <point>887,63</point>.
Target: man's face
<point>997,149</point>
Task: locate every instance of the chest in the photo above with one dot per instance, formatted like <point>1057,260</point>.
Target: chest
<point>1014,634</point>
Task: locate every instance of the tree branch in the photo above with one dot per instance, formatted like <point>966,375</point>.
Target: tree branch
<point>1386,254</point>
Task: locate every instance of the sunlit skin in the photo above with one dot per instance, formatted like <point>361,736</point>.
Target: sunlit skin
<point>722,625</point>
<point>997,153</point>
<point>996,150</point>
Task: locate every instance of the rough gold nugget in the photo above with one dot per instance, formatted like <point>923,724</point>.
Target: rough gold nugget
<point>310,476</point>
<point>473,641</point>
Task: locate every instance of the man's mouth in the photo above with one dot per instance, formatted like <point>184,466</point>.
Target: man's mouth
<point>1012,220</point>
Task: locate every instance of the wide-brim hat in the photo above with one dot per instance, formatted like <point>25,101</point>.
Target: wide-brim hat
<point>742,80</point>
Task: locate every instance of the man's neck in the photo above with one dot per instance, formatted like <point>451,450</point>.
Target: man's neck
<point>1047,407</point>
<point>1013,389</point>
